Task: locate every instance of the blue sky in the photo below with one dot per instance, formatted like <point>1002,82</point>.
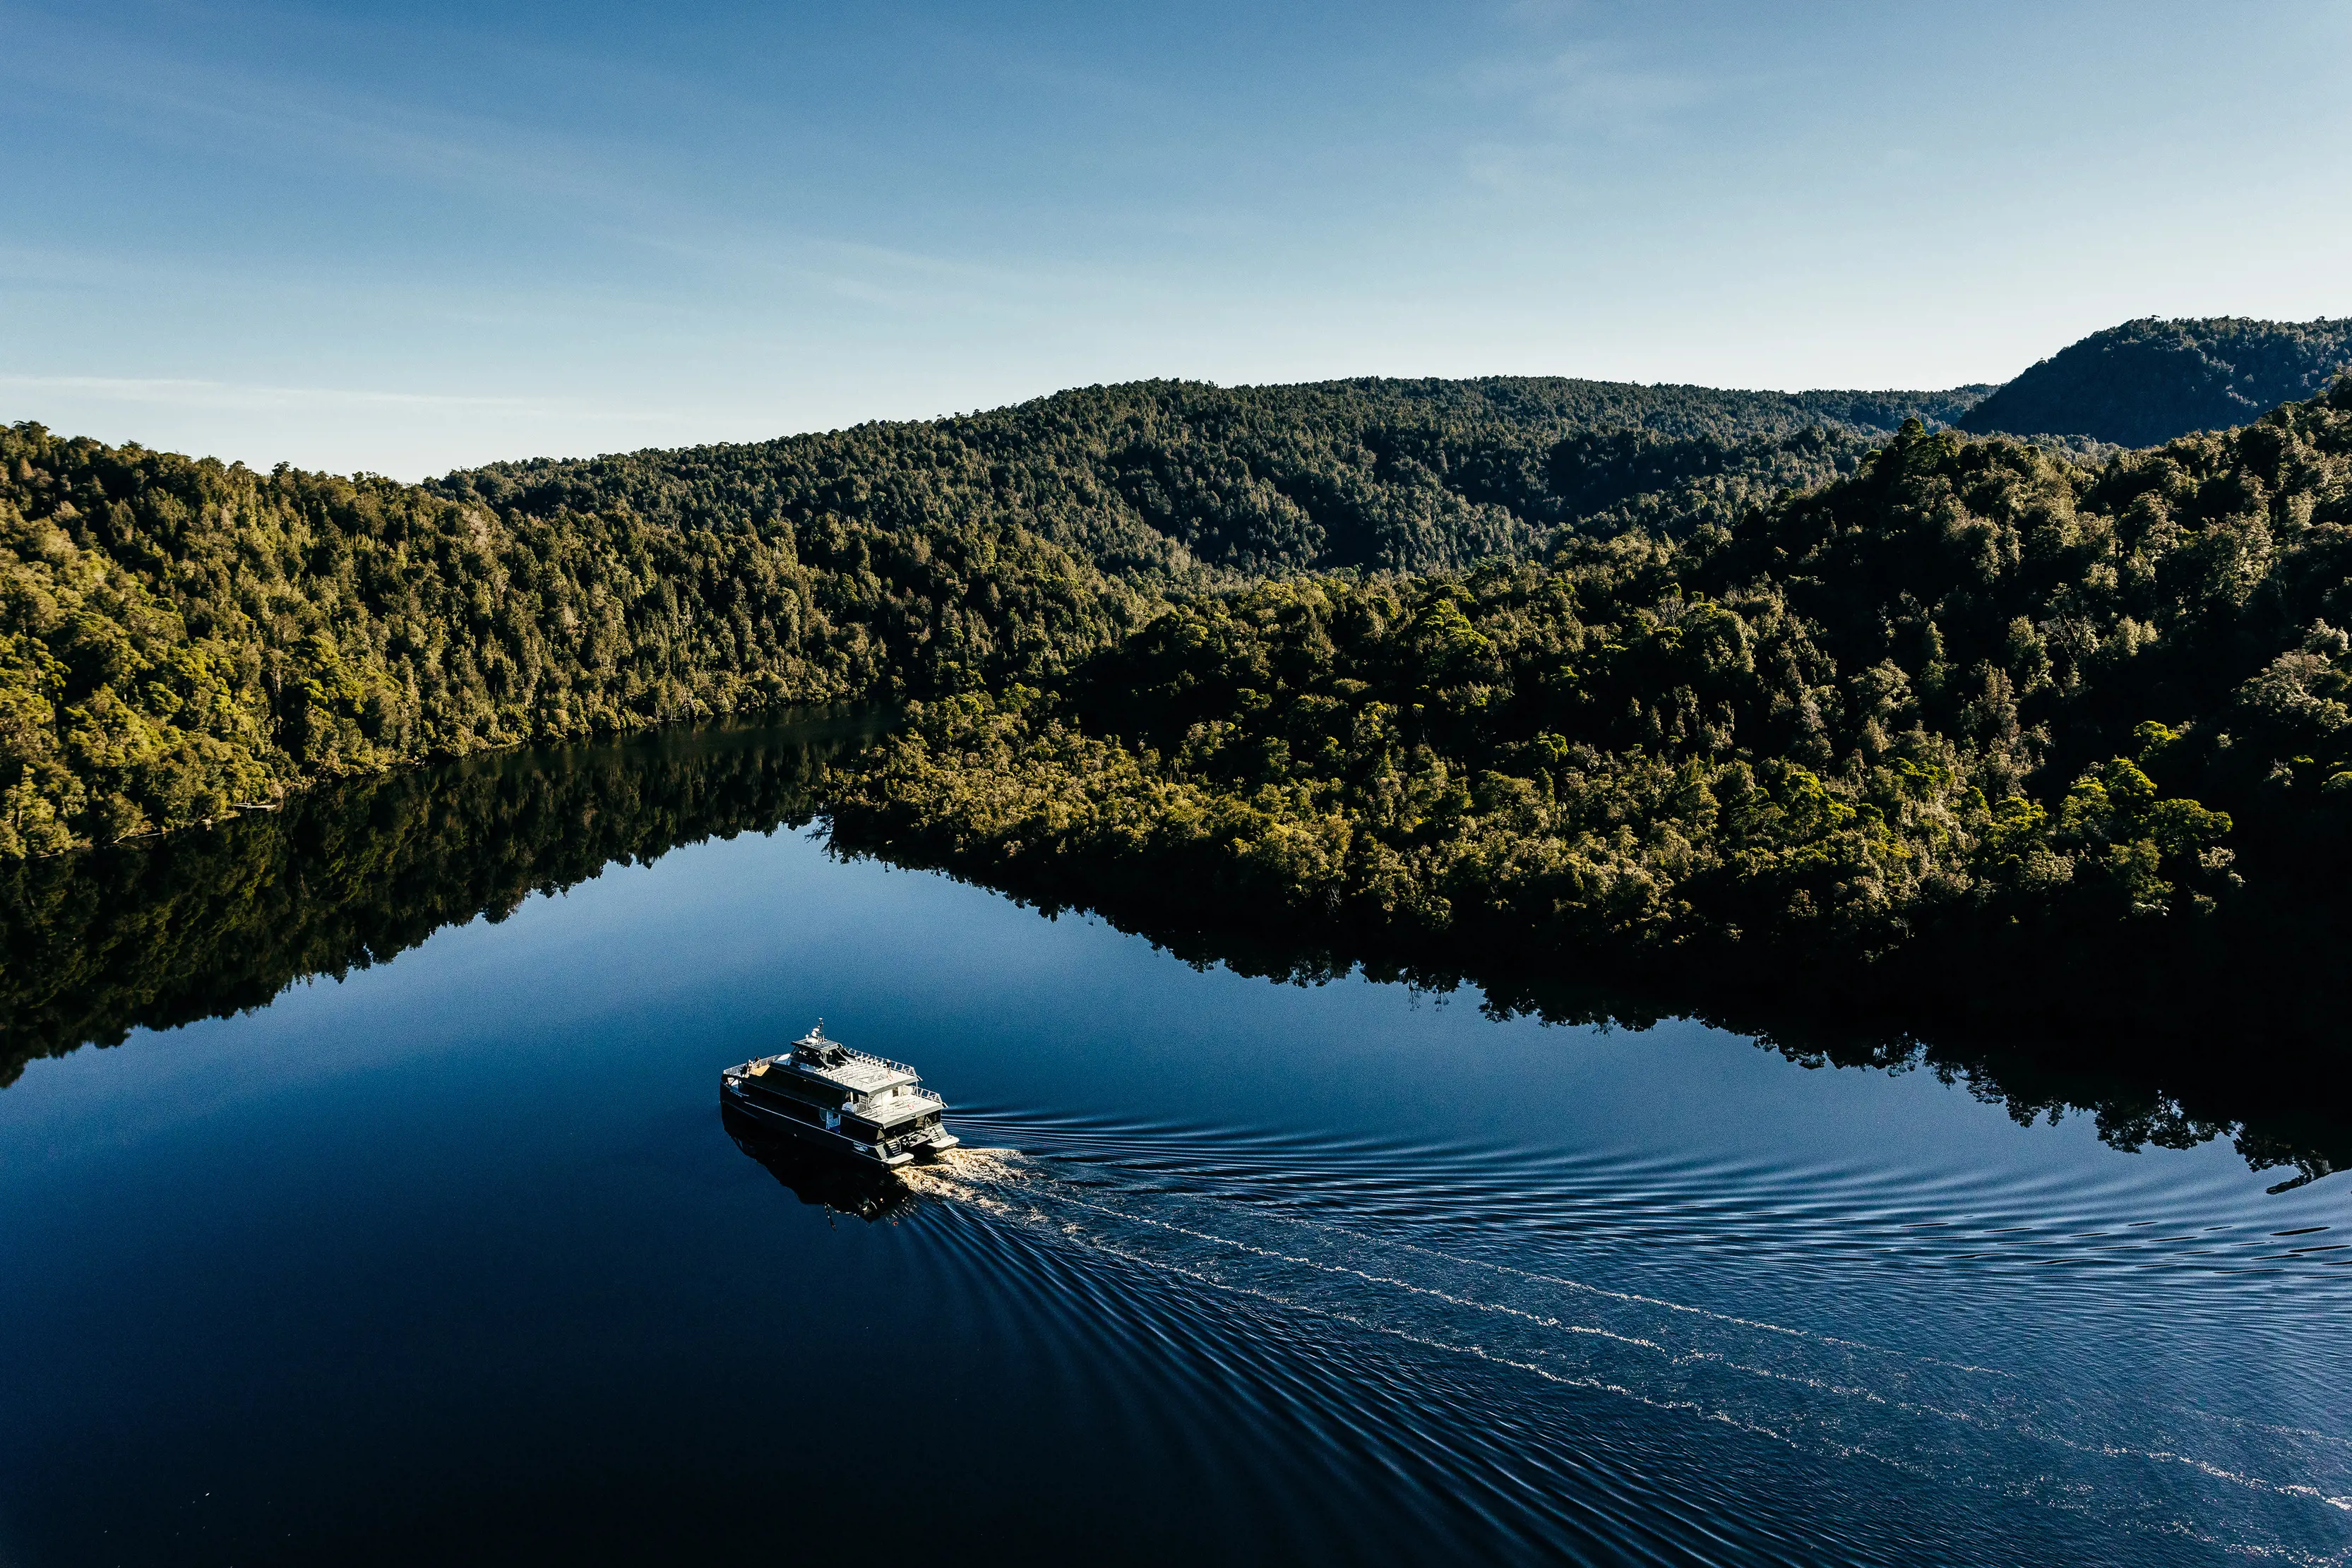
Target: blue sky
<point>404,237</point>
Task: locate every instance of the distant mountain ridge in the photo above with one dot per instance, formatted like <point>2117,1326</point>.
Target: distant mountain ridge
<point>2153,380</point>
<point>1178,481</point>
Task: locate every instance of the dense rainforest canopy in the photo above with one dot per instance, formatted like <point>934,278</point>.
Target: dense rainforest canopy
<point>1972,700</point>
<point>179,638</point>
<point>1538,667</point>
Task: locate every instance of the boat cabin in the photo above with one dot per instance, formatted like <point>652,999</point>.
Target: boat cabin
<point>875,1103</point>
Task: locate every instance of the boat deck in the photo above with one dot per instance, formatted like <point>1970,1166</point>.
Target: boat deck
<point>897,1109</point>
<point>856,1076</point>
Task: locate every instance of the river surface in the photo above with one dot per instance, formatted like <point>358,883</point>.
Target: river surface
<point>453,1261</point>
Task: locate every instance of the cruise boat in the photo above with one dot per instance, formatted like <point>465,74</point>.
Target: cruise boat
<point>827,1095</point>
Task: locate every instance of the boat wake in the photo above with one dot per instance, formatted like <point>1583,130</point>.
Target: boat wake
<point>2120,1460</point>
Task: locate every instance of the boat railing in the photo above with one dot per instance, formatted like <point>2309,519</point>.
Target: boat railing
<point>878,1060</point>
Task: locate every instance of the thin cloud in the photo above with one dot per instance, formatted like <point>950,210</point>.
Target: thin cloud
<point>1576,110</point>
<point>276,115</point>
<point>612,191</point>
<point>1592,87</point>
<point>887,277</point>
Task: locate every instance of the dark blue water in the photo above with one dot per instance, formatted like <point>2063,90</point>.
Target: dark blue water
<point>454,1261</point>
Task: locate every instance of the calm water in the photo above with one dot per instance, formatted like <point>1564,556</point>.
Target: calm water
<point>453,1260</point>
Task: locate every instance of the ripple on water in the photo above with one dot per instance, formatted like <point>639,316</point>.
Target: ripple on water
<point>1487,1300</point>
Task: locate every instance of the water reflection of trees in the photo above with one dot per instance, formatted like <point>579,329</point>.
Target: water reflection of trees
<point>2166,1072</point>
<point>206,923</point>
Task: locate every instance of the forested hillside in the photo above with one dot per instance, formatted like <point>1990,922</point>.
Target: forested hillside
<point>181,638</point>
<point>1970,708</point>
<point>2147,381</point>
<point>1181,483</point>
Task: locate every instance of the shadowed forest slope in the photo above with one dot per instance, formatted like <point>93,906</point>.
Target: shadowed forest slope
<point>2147,381</point>
<point>1972,713</point>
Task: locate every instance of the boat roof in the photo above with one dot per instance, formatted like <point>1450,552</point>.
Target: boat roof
<point>858,1074</point>
<point>826,1061</point>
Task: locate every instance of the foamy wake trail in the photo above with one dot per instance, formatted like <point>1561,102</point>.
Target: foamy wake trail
<point>2141,1465</point>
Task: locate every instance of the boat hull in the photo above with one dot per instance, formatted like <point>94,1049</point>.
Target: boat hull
<point>742,1101</point>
